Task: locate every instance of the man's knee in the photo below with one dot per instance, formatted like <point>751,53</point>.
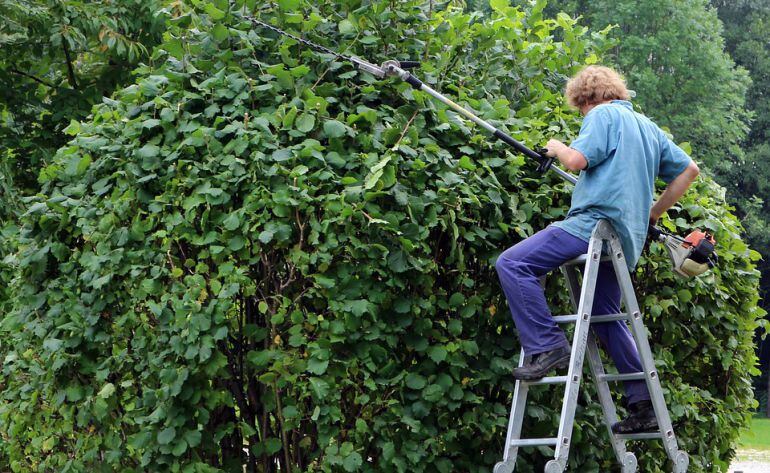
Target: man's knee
<point>509,262</point>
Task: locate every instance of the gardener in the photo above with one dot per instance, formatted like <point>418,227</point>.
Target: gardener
<point>620,153</point>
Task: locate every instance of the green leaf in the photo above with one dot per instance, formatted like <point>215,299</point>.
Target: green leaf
<point>220,32</point>
<point>433,393</point>
<point>352,462</point>
<point>397,261</point>
<point>437,354</point>
<point>300,71</point>
<point>415,381</point>
<point>320,388</point>
<point>166,435</point>
<point>288,5</point>
<point>266,236</point>
<point>236,243</point>
<point>193,438</point>
<point>305,122</point>
<point>272,445</point>
<point>147,151</point>
<point>83,164</point>
<point>466,163</point>
<point>317,366</point>
<point>334,129</point>
<point>73,128</point>
<point>179,448</point>
<point>107,390</point>
<point>232,222</point>
<point>346,27</point>
<point>499,5</point>
<point>457,300</point>
<point>684,296</point>
<point>214,12</point>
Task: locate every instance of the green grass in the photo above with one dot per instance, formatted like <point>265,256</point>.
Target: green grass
<point>758,438</point>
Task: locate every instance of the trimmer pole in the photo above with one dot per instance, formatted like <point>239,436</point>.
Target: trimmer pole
<point>393,68</point>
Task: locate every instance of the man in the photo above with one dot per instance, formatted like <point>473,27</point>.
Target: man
<point>619,153</point>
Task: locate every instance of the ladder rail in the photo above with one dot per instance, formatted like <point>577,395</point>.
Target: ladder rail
<point>580,339</point>
<point>518,406</point>
<point>639,333</point>
<point>602,387</point>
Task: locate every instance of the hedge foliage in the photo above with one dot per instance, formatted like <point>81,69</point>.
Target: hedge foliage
<point>258,256</point>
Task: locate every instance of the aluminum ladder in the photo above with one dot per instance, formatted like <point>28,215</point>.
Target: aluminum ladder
<point>603,237</point>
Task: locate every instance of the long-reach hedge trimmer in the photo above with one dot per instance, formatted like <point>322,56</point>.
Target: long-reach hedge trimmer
<point>398,69</point>
<point>690,256</point>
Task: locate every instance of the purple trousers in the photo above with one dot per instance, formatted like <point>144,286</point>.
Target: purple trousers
<point>520,268</point>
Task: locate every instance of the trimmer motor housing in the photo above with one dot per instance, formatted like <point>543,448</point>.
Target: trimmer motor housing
<point>690,256</point>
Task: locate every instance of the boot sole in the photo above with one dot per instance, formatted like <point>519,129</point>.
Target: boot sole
<point>644,430</point>
<point>561,364</point>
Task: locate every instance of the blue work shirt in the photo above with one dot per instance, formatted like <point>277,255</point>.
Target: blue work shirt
<point>625,151</point>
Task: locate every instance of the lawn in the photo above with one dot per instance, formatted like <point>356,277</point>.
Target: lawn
<point>758,438</point>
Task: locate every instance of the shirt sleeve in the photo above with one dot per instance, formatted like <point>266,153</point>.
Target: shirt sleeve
<point>593,140</point>
<point>673,160</point>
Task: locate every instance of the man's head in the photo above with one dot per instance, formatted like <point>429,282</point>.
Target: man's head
<point>594,85</point>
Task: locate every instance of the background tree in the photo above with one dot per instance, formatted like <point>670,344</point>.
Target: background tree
<point>747,29</point>
<point>58,58</point>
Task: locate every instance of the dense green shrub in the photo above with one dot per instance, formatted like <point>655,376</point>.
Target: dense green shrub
<point>257,249</point>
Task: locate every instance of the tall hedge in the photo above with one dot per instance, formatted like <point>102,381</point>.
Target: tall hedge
<point>257,256</point>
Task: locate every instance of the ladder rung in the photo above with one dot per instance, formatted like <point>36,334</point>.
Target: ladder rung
<point>582,259</point>
<point>622,377</point>
<point>641,436</point>
<point>595,319</point>
<point>533,442</point>
<point>548,380</point>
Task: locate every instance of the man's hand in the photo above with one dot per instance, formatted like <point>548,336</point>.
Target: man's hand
<point>554,146</point>
<point>571,159</point>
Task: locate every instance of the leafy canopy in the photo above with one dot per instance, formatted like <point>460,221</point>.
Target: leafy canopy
<point>58,58</point>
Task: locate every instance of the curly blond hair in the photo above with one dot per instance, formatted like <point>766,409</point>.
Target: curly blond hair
<point>595,84</point>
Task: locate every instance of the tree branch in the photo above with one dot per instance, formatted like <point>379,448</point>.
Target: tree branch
<point>70,70</point>
<point>36,79</point>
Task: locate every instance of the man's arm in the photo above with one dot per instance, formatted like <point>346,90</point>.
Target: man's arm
<point>570,158</point>
<point>674,191</point>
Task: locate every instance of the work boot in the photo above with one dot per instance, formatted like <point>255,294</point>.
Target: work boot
<point>542,363</point>
<point>641,418</point>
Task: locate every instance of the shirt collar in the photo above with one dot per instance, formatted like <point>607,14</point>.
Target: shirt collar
<point>624,103</point>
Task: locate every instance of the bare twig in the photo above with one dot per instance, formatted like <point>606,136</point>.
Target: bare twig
<point>286,449</point>
<point>406,128</point>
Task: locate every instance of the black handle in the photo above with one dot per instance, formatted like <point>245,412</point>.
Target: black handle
<point>545,161</point>
<point>409,64</point>
<point>654,232</point>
